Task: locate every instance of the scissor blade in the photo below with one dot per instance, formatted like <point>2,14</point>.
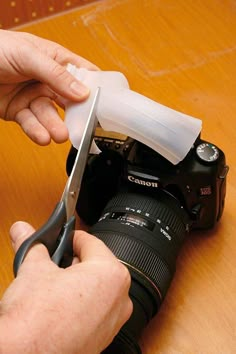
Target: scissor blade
<point>73,185</point>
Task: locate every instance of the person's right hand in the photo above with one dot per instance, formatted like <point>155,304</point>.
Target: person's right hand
<point>77,310</point>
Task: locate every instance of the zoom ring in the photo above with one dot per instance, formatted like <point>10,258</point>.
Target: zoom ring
<point>139,257</point>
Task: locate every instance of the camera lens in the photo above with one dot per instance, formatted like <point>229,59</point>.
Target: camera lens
<point>145,234</point>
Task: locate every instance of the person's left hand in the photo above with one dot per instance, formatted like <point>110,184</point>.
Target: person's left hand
<point>32,75</point>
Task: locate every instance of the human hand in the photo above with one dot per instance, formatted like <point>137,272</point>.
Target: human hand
<point>77,310</point>
<point>32,75</point>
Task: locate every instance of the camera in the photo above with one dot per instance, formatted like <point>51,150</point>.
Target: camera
<point>142,207</point>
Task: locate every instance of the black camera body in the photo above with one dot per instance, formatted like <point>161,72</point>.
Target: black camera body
<point>142,206</point>
<point>198,182</point>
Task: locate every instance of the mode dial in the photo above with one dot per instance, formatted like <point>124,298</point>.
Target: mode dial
<point>207,152</point>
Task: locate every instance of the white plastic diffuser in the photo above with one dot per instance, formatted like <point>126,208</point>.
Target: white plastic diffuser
<point>122,110</point>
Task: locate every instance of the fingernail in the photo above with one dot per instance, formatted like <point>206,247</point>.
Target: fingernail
<point>79,89</point>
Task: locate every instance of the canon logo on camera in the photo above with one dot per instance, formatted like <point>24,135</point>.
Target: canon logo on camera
<point>142,182</point>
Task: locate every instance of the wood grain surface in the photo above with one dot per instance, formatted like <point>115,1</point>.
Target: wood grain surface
<point>183,55</point>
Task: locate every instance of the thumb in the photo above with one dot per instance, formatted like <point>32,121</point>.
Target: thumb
<point>19,232</point>
<point>56,76</point>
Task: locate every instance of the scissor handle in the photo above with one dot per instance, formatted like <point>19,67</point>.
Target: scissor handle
<point>63,255</point>
<point>56,234</point>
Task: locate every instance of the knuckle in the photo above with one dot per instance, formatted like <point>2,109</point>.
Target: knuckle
<point>121,274</point>
<point>129,308</point>
<point>60,72</point>
<point>80,233</point>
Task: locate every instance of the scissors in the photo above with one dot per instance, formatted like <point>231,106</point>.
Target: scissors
<point>57,233</point>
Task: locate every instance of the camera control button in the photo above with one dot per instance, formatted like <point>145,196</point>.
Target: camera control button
<point>126,147</point>
<point>196,212</point>
<point>207,152</point>
<point>224,172</point>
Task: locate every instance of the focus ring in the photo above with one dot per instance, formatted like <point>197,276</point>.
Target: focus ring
<point>169,214</point>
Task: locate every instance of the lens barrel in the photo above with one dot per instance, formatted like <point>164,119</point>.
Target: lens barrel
<point>145,234</point>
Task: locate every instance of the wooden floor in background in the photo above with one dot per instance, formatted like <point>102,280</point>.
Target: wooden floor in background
<point>19,12</point>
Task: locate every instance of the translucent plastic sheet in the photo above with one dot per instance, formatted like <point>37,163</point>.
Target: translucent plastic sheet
<point>122,110</point>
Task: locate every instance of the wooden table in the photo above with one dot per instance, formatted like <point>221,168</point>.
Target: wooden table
<point>183,55</point>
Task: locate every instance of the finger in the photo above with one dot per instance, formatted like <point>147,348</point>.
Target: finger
<point>47,70</point>
<point>32,127</point>
<point>19,232</point>
<point>59,53</point>
<point>25,95</point>
<point>18,110</point>
<point>75,260</point>
<point>46,113</point>
<point>65,56</point>
<point>88,247</point>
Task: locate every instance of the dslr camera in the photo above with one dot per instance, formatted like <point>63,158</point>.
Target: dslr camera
<point>142,207</point>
